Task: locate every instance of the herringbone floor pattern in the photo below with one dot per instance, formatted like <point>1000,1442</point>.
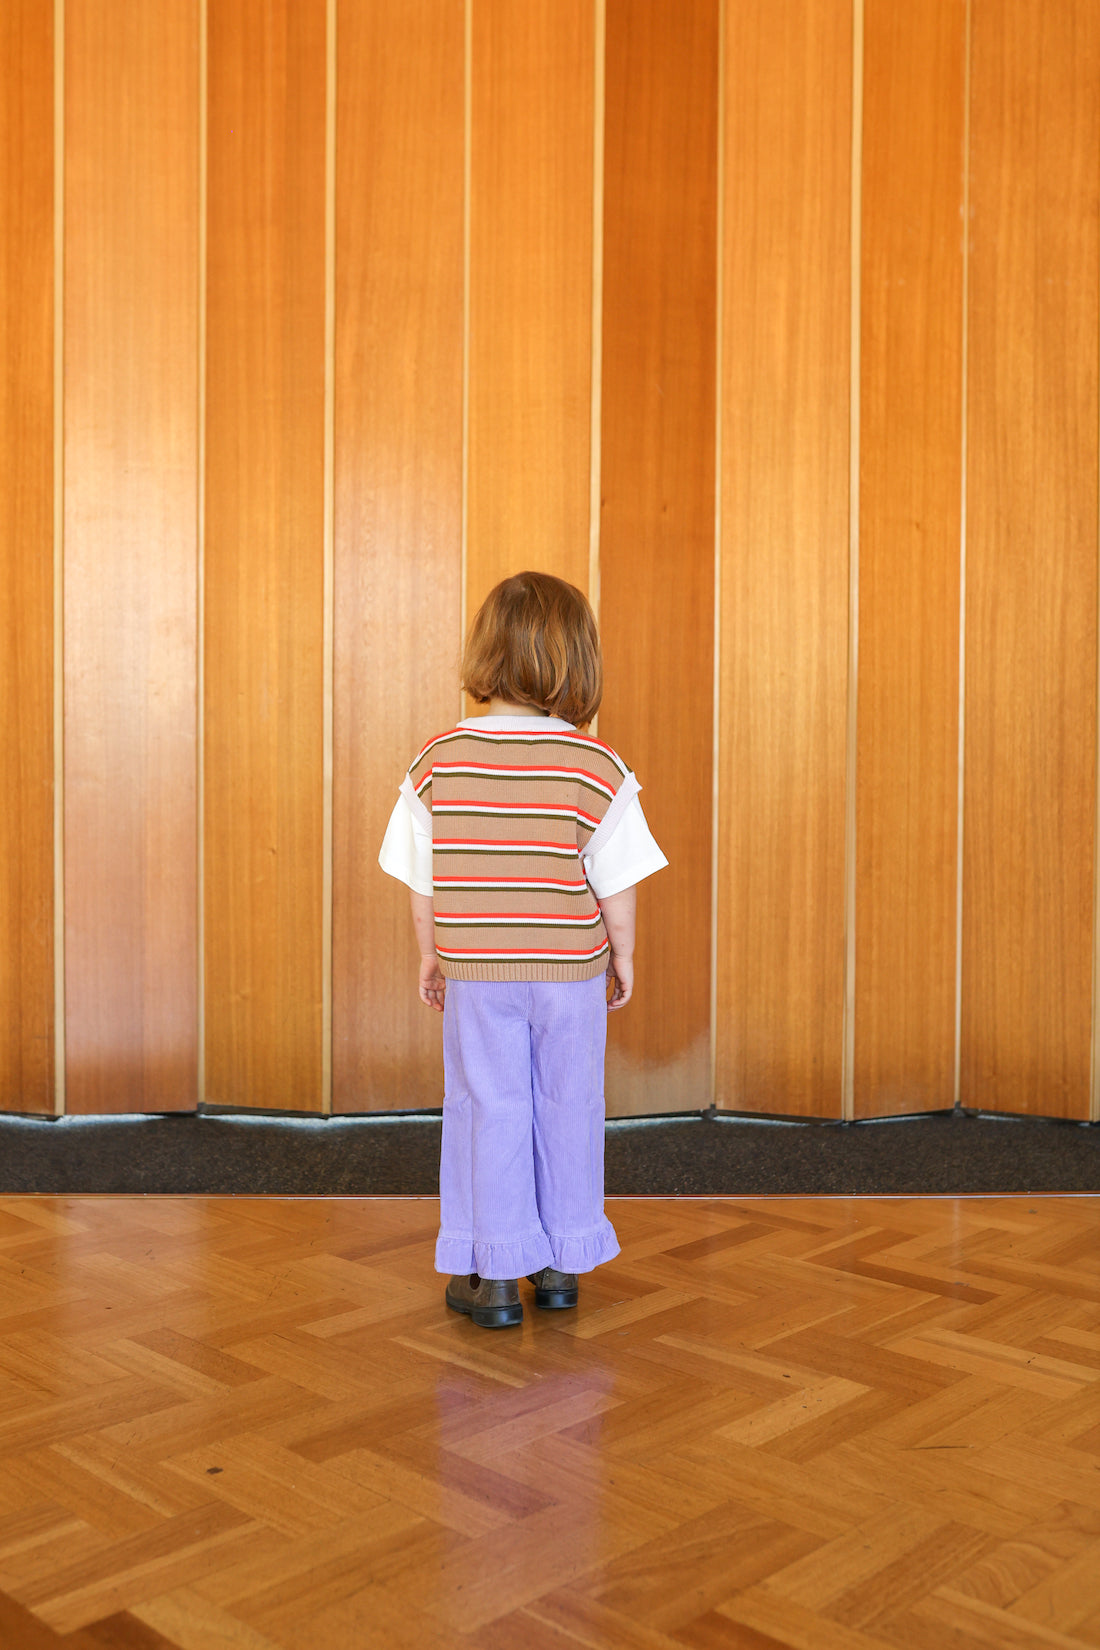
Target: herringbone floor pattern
<point>823,1424</point>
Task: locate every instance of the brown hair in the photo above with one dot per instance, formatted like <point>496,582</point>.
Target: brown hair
<point>534,642</point>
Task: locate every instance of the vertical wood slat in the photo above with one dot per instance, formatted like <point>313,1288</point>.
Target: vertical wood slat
<point>398,508</point>
<point>131,308</point>
<point>264,553</point>
<point>910,493</point>
<point>657,531</point>
<point>26,556</point>
<point>784,576</point>
<point>1031,558</point>
<point>530,298</point>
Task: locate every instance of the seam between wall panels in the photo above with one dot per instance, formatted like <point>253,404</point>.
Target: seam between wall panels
<point>200,570</point>
<point>595,440</point>
<point>716,710</point>
<point>328,560</point>
<point>59,552</point>
<point>848,1062</point>
<point>467,134</point>
<point>963,506</point>
<point>1094,1053</point>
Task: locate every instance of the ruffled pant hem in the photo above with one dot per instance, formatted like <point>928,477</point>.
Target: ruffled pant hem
<point>579,1252</point>
<point>584,1251</point>
<point>513,1259</point>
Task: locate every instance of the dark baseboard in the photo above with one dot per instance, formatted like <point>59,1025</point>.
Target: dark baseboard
<point>219,1153</point>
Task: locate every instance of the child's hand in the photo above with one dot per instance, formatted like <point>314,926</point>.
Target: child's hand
<point>432,985</point>
<point>620,975</point>
<point>618,912</point>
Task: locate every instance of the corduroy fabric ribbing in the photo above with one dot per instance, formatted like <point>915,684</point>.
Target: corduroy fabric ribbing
<point>511,813</point>
<point>521,1166</point>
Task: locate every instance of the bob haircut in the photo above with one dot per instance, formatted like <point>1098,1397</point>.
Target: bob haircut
<point>534,642</point>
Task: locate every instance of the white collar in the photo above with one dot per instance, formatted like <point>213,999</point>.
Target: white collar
<point>517,724</point>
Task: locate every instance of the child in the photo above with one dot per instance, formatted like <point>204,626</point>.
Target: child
<point>522,839</point>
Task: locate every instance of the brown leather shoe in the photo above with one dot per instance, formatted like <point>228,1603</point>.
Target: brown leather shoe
<point>554,1289</point>
<point>493,1303</point>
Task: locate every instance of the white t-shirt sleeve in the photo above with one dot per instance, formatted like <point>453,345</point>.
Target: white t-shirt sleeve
<point>628,855</point>
<point>406,851</point>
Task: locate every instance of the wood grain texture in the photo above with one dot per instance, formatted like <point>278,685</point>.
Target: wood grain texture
<point>264,553</point>
<point>530,349</point>
<point>131,452</point>
<point>26,557</point>
<point>784,577</point>
<point>1031,558</point>
<point>657,527</point>
<point>821,1424</point>
<point>909,532</point>
<point>398,509</point>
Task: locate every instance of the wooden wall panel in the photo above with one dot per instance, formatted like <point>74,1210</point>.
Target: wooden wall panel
<point>1031,640</point>
<point>657,530</point>
<point>776,405</point>
<point>131,454</point>
<point>398,509</point>
<point>910,502</point>
<point>530,349</point>
<point>26,557</point>
<point>265,380</point>
<point>784,575</point>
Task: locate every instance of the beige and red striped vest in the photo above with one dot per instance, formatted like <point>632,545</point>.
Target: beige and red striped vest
<point>511,813</point>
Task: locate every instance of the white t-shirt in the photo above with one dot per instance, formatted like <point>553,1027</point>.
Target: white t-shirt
<point>628,855</point>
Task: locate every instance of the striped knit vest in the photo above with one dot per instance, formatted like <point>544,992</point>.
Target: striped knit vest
<point>511,813</point>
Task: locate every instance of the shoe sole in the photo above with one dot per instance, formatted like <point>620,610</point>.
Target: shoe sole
<point>556,1300</point>
<point>491,1317</point>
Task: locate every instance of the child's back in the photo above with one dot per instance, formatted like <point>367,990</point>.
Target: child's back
<point>522,840</point>
<point>512,812</point>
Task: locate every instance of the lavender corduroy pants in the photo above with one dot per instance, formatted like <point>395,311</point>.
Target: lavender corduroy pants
<point>521,1167</point>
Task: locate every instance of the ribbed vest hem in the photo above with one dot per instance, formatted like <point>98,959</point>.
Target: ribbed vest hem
<point>524,970</point>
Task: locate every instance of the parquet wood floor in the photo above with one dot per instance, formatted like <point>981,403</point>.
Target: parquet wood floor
<point>825,1424</point>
